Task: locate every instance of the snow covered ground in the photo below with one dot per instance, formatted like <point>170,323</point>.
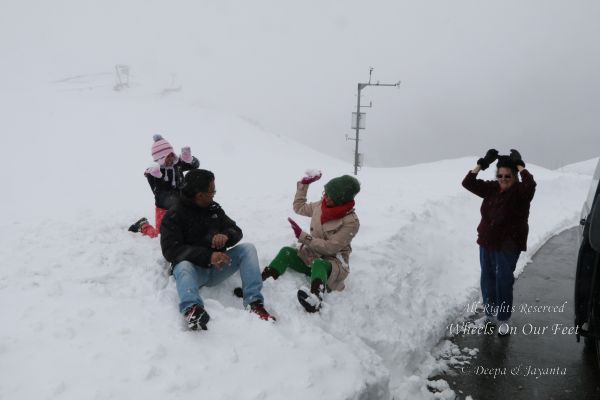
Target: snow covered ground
<point>89,313</point>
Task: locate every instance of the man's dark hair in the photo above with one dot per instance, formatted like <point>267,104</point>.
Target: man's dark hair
<point>196,181</point>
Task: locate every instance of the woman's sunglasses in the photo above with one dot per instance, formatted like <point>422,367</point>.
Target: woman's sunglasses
<point>500,176</point>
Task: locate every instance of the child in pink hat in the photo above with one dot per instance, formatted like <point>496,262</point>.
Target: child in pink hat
<point>165,177</point>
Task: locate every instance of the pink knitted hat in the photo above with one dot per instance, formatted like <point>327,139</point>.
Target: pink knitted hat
<point>161,149</point>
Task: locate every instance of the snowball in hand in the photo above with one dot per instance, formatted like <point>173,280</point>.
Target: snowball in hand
<point>312,172</point>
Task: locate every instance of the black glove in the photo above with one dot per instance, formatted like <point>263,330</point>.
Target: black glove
<point>516,158</point>
<point>490,157</point>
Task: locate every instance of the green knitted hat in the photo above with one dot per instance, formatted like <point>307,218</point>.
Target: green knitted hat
<point>342,189</point>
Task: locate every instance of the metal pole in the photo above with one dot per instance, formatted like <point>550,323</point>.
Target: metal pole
<point>361,86</point>
<point>357,130</point>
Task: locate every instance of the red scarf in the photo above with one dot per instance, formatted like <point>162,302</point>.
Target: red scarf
<point>335,212</point>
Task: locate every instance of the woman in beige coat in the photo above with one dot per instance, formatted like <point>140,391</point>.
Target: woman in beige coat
<point>324,252</point>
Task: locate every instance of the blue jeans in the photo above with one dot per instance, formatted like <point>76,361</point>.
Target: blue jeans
<point>497,279</point>
<point>190,277</point>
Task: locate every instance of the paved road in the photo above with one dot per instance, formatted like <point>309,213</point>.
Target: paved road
<point>562,369</point>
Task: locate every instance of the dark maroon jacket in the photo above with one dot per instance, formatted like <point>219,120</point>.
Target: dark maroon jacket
<point>504,215</point>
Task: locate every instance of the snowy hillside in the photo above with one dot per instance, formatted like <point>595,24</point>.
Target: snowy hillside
<point>586,167</point>
<point>88,311</point>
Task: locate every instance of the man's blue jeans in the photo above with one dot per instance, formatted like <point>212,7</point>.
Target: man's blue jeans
<point>497,279</point>
<point>190,277</point>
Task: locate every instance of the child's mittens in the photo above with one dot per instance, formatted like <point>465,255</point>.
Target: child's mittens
<point>154,170</point>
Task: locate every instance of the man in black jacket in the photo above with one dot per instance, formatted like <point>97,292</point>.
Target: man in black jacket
<point>197,237</point>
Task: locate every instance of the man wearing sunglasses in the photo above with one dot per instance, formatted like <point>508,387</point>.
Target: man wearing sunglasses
<point>502,232</point>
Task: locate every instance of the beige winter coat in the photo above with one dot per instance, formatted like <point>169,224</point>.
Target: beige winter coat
<point>329,241</point>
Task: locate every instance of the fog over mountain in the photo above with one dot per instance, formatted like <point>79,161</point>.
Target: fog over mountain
<point>474,74</point>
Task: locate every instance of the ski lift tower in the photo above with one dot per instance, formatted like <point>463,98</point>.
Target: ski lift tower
<point>121,77</point>
<point>358,118</point>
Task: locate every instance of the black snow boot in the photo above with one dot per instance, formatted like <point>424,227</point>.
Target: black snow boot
<point>311,300</point>
<point>137,227</point>
<point>196,318</point>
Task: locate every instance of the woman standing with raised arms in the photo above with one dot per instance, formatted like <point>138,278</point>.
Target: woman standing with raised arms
<point>502,232</point>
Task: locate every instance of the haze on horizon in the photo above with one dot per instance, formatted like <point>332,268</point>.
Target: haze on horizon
<point>474,75</point>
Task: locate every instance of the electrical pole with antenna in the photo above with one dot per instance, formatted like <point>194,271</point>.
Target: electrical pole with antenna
<point>358,120</point>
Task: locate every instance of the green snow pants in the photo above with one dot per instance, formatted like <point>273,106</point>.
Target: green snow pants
<point>288,257</point>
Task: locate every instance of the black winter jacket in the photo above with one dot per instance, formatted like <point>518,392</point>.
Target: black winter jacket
<point>168,188</point>
<point>187,230</point>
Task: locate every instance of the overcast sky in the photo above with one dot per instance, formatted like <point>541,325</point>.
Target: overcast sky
<point>475,74</point>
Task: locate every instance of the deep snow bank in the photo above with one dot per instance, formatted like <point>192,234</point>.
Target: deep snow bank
<point>89,311</point>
